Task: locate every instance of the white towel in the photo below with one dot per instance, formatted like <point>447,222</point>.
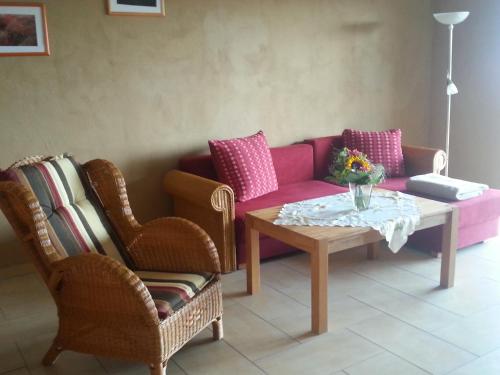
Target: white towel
<point>445,187</point>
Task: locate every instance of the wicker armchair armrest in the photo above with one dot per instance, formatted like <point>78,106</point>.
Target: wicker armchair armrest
<point>209,204</point>
<point>97,288</point>
<point>174,244</point>
<point>421,160</point>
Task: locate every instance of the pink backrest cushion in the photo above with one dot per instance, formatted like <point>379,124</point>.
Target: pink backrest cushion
<point>246,165</point>
<point>292,164</point>
<point>382,147</point>
<point>323,151</point>
<point>200,165</point>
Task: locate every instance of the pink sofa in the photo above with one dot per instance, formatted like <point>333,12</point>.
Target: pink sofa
<point>300,169</point>
<point>479,217</point>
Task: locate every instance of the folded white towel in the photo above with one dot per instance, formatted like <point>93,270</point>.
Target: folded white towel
<point>445,187</point>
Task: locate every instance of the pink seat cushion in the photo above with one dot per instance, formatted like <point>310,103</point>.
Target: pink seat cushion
<point>246,165</point>
<point>394,184</point>
<point>382,147</point>
<point>477,210</point>
<point>285,194</point>
<point>478,220</point>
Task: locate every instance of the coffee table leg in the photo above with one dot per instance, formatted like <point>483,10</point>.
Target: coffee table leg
<point>319,288</point>
<point>253,258</point>
<point>449,249</point>
<point>372,250</point>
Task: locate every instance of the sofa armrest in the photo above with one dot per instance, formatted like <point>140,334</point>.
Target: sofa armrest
<point>422,160</point>
<point>209,204</point>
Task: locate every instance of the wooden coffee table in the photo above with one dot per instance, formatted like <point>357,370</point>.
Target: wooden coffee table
<point>321,241</point>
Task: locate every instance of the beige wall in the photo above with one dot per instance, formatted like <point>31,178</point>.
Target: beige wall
<point>475,119</point>
<point>143,91</point>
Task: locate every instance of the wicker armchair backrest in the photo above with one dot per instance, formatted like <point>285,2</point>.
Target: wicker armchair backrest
<point>30,223</point>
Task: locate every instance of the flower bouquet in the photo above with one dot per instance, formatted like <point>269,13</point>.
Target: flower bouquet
<point>353,168</point>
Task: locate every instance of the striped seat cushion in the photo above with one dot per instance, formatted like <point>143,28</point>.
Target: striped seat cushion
<point>171,291</point>
<point>76,221</point>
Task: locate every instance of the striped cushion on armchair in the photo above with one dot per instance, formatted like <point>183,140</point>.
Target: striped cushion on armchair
<point>171,291</point>
<point>77,223</point>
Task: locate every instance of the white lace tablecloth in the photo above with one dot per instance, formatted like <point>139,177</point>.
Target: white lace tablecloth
<point>395,215</point>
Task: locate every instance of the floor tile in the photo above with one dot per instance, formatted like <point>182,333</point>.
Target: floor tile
<point>251,335</point>
<point>205,356</point>
<point>478,333</point>
<point>412,344</point>
<point>344,312</point>
<point>487,365</point>
<point>341,283</point>
<point>298,261</point>
<point>325,354</point>
<point>113,366</point>
<point>234,285</point>
<point>33,349</point>
<point>15,291</point>
<point>405,307</point>
<point>468,264</point>
<point>387,315</point>
<point>17,270</point>
<point>467,297</point>
<point>10,357</point>
<point>486,250</point>
<point>270,303</point>
<point>395,277</point>
<point>20,371</point>
<point>283,278</point>
<point>384,364</point>
<point>27,327</point>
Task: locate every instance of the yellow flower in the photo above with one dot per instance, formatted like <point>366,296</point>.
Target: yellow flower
<point>357,163</point>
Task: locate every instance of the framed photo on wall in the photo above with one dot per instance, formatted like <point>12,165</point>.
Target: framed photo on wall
<point>136,7</point>
<point>23,29</point>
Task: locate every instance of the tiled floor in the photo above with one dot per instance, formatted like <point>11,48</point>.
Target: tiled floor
<point>386,317</point>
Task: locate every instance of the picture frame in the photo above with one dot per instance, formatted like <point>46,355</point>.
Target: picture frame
<point>23,29</point>
<point>155,8</point>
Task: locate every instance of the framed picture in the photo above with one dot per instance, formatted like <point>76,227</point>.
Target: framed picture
<point>136,7</point>
<point>23,30</point>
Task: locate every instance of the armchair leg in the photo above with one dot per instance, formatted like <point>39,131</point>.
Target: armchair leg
<point>218,329</point>
<point>51,356</point>
<point>158,369</point>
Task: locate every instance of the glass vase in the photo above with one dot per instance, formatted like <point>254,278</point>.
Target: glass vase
<point>361,195</point>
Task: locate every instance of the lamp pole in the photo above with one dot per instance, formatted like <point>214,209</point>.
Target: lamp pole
<point>448,115</point>
<point>450,19</point>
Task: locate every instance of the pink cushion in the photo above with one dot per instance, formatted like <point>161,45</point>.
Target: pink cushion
<point>293,163</point>
<point>285,194</point>
<point>246,165</point>
<point>200,165</point>
<point>382,147</point>
<point>323,149</point>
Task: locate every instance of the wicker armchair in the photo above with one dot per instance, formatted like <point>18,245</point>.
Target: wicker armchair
<point>104,308</point>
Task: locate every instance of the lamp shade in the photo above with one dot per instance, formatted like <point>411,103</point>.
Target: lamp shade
<point>451,18</point>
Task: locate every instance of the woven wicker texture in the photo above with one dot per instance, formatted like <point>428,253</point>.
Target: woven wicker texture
<point>104,308</point>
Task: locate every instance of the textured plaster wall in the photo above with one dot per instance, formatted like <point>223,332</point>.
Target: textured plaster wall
<point>475,116</point>
<point>143,91</point>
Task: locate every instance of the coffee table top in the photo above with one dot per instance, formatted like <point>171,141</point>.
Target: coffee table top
<point>339,238</point>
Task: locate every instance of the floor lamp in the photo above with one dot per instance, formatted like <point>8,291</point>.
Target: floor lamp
<point>450,19</point>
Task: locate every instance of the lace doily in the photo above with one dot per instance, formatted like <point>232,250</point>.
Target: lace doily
<point>395,215</point>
